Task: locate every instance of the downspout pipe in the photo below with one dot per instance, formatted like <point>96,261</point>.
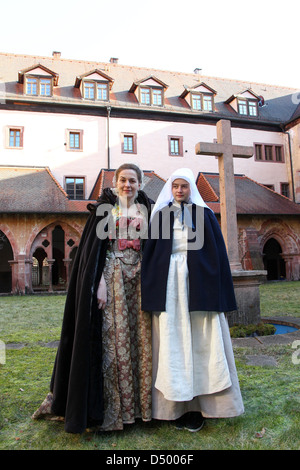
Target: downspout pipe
<point>291,164</point>
<point>107,132</point>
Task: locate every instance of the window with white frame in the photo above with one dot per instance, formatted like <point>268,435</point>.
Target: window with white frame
<point>93,90</point>
<point>37,86</point>
<point>75,187</point>
<point>247,107</point>
<point>202,101</point>
<point>14,137</point>
<point>102,91</point>
<point>151,96</point>
<point>175,146</point>
<point>74,140</point>
<point>129,142</point>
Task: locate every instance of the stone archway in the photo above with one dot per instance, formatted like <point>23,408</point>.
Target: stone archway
<point>6,255</point>
<point>55,243</point>
<point>59,278</point>
<point>40,269</point>
<point>284,245</point>
<point>274,264</point>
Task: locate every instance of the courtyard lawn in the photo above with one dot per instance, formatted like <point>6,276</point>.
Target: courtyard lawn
<point>271,393</point>
<point>280,298</point>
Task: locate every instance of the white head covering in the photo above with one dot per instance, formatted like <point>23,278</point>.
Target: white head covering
<point>166,196</point>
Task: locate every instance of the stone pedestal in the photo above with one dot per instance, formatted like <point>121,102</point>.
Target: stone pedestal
<point>246,287</point>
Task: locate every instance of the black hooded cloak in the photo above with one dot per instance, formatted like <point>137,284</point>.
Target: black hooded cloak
<point>76,382</point>
<point>210,280</point>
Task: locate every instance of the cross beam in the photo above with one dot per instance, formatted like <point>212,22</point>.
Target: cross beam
<point>225,152</point>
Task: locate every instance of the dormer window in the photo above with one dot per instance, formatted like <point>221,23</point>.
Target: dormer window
<point>202,102</point>
<point>95,91</point>
<point>252,107</point>
<point>149,91</point>
<point>38,81</point>
<point>89,90</point>
<point>247,107</point>
<point>157,96</point>
<point>95,85</point>
<point>31,86</point>
<point>245,103</point>
<point>102,91</point>
<point>200,97</point>
<point>151,96</point>
<point>38,86</point>
<point>145,95</point>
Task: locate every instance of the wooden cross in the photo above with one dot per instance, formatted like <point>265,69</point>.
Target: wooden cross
<point>225,152</point>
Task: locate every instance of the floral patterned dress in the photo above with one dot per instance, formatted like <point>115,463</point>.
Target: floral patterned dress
<point>126,332</point>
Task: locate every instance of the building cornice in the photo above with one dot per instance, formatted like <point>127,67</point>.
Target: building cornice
<point>136,112</point>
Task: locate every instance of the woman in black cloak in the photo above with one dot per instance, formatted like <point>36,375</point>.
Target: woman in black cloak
<point>102,371</point>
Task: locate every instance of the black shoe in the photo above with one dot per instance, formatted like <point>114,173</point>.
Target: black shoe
<point>194,422</point>
<point>180,422</point>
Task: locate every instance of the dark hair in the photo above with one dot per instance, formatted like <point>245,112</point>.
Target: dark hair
<point>129,166</point>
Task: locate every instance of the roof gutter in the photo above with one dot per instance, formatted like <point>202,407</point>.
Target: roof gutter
<point>291,163</point>
<point>141,113</point>
<point>107,136</point>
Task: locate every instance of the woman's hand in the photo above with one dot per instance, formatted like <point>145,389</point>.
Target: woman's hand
<point>102,293</point>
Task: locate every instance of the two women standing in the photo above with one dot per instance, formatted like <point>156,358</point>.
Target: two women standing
<point>102,372</point>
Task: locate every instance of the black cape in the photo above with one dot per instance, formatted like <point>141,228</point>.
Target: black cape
<point>76,381</point>
<point>210,280</point>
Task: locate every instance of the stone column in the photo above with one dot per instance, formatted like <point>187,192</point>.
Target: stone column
<point>50,264</point>
<point>291,267</point>
<point>67,263</point>
<point>14,276</point>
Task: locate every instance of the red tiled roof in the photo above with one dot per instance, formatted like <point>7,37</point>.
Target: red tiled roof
<point>251,197</point>
<point>206,190</point>
<point>34,190</point>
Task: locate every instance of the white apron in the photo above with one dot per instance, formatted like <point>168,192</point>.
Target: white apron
<point>192,359</point>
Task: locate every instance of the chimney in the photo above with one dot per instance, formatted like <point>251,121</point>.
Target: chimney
<point>56,55</point>
<point>113,60</point>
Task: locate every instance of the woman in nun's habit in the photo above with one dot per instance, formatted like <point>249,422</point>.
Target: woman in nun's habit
<point>187,284</point>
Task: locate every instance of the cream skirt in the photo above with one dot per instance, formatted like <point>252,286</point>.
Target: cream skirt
<point>193,362</point>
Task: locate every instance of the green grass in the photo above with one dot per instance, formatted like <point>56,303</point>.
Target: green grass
<point>271,394</point>
<point>280,299</point>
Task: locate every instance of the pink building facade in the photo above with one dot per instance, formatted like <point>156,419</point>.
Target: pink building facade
<point>76,118</point>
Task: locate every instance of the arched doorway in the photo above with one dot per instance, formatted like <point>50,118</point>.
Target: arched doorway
<point>273,261</point>
<point>58,253</point>
<point>40,269</point>
<point>52,252</point>
<point>6,255</point>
